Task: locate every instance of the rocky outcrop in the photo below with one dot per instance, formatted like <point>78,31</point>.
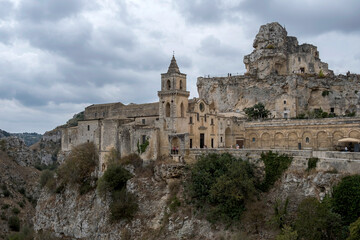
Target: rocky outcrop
<point>18,193</point>
<point>297,93</point>
<point>17,150</point>
<point>276,53</point>
<point>87,217</point>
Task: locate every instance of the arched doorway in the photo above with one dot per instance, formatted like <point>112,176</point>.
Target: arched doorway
<point>265,140</point>
<point>167,110</point>
<point>279,140</point>
<point>228,137</point>
<point>175,146</point>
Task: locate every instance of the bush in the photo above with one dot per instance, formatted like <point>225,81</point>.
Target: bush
<point>346,198</point>
<point>221,185</point>
<point>280,213</point>
<point>26,233</point>
<point>321,74</point>
<point>287,233</point>
<point>258,111</point>
<point>45,177</point>
<point>14,223</point>
<point>275,165</point>
<point>79,165</point>
<point>123,206</point>
<point>316,221</point>
<point>114,179</point>
<point>15,210</point>
<point>141,148</point>
<point>312,162</point>
<point>354,230</point>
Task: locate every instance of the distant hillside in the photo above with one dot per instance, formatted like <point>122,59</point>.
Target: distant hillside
<point>4,134</point>
<point>29,138</point>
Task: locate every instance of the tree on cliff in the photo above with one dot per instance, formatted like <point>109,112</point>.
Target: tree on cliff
<point>257,111</point>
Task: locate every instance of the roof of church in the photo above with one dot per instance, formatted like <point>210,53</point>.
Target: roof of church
<point>173,68</point>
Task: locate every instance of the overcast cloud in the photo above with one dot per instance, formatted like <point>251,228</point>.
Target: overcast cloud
<point>56,57</point>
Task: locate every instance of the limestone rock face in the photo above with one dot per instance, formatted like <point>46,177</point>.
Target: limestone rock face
<point>293,94</point>
<point>87,216</point>
<point>17,150</point>
<point>276,53</point>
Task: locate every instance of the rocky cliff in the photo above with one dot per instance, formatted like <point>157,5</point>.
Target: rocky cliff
<point>87,216</point>
<point>296,92</point>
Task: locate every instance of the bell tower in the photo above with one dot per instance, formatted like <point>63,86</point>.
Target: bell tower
<point>173,99</point>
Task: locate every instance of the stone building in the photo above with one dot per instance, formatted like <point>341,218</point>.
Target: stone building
<point>288,78</point>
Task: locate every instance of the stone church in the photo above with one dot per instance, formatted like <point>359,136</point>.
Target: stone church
<point>288,78</point>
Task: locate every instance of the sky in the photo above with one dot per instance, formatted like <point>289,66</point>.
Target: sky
<point>57,57</point>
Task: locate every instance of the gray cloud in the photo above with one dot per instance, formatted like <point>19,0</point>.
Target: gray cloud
<point>58,56</point>
<point>49,10</point>
<point>310,17</point>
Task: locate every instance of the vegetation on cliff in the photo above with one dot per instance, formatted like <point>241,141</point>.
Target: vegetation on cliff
<point>222,185</point>
<point>258,111</point>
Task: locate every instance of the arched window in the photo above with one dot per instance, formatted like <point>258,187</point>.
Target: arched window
<point>307,140</point>
<point>167,110</point>
<point>182,110</point>
<point>181,85</point>
<point>168,85</point>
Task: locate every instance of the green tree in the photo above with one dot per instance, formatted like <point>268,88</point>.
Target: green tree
<point>346,198</point>
<point>316,221</point>
<point>258,111</point>
<point>275,165</point>
<point>221,185</point>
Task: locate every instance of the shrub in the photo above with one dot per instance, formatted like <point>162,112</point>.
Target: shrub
<point>346,198</point>
<point>321,74</point>
<point>45,177</point>
<point>132,159</point>
<point>26,233</point>
<point>114,179</point>
<point>141,148</point>
<point>316,221</point>
<point>312,162</point>
<point>270,46</point>
<point>15,210</point>
<point>280,213</point>
<point>301,116</point>
<point>258,111</point>
<point>354,230</point>
<point>123,206</point>
<point>5,206</point>
<point>275,165</point>
<point>79,165</point>
<point>221,184</point>
<point>14,223</point>
<point>287,233</point>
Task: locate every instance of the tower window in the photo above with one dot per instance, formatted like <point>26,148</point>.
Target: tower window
<point>205,117</point>
<point>212,121</point>
<point>168,85</point>
<point>143,121</point>
<point>190,120</point>
<point>284,101</point>
<point>69,140</point>
<point>190,142</point>
<point>307,140</point>
<point>181,85</point>
<point>88,127</point>
<point>167,110</point>
<point>202,107</point>
<point>197,116</point>
<point>220,139</point>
